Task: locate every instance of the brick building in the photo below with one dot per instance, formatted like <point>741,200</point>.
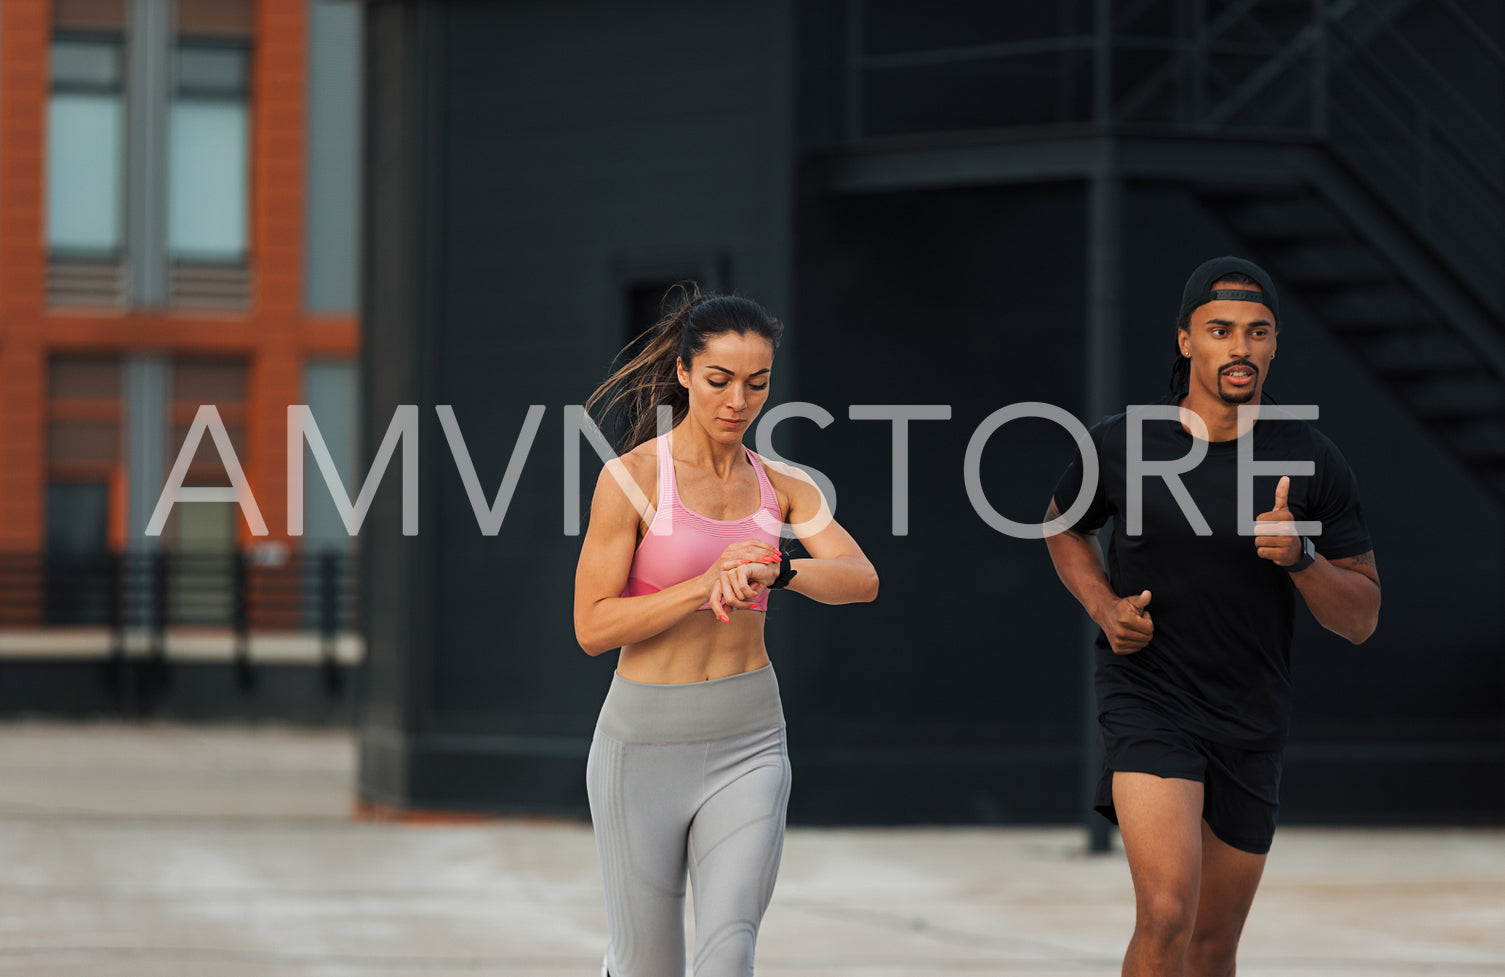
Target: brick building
<point>178,225</point>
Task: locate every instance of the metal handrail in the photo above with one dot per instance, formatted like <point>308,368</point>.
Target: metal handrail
<point>1002,50</point>
<point>1414,137</point>
<point>1141,95</point>
<point>959,54</point>
<point>1426,132</point>
<point>1486,127</point>
<point>1310,39</point>
<point>1477,32</point>
<point>314,592</point>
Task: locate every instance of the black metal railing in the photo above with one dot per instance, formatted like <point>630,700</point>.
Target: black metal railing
<point>151,593</point>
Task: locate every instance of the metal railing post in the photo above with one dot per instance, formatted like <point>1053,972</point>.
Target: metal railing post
<point>245,673</point>
<point>852,115</point>
<point>115,665</point>
<point>154,677</point>
<point>1199,61</point>
<point>1102,66</point>
<point>329,624</point>
<point>1320,69</point>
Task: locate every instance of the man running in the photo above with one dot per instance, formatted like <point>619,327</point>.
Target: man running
<point>1197,610</point>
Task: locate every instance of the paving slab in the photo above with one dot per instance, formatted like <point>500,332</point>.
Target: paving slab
<point>155,851</point>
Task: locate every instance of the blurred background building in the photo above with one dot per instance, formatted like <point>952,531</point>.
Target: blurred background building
<point>957,203</point>
<point>179,212</point>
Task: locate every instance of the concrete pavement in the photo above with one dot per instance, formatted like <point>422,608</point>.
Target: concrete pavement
<point>131,851</point>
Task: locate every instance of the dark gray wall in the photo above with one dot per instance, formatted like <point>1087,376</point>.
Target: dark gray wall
<point>575,148</point>
<point>956,696</point>
<point>530,161</point>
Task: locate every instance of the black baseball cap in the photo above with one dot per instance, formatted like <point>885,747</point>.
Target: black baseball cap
<point>1199,290</point>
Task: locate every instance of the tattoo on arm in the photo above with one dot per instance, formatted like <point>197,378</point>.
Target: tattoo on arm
<point>1362,564</point>
<point>1367,560</point>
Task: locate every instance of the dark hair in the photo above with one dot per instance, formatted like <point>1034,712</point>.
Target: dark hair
<point>636,389</point>
<point>1181,365</point>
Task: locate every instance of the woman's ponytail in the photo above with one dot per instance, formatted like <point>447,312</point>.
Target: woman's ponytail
<point>634,390</point>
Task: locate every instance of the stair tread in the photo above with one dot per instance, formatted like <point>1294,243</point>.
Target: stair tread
<point>1385,307</point>
<point>1461,397</point>
<point>1289,218</point>
<point>1330,264</point>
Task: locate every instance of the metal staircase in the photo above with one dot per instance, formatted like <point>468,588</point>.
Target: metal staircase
<point>1339,140</point>
<point>1402,313</point>
<point>1407,281</point>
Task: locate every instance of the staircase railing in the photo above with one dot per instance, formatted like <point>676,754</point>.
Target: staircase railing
<point>1440,163</point>
<point>1346,76</point>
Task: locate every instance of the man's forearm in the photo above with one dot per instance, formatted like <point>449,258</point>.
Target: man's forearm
<point>1079,563</point>
<point>1344,601</point>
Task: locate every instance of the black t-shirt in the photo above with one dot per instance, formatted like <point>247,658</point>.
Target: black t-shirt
<point>1219,664</point>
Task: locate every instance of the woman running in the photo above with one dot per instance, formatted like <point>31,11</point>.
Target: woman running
<point>688,770</point>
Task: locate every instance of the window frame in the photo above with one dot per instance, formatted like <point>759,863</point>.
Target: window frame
<point>120,91</point>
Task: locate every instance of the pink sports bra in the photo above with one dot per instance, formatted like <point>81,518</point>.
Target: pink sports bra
<point>680,544</point>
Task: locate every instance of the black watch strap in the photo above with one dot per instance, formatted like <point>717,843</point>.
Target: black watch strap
<point>1307,558</point>
<point>786,573</point>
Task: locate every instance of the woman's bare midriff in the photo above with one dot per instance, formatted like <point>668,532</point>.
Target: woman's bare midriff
<point>697,649</point>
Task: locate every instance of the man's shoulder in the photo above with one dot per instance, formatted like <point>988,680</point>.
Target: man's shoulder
<point>1111,426</point>
<point>1291,429</point>
<point>1112,429</point>
<point>1165,404</point>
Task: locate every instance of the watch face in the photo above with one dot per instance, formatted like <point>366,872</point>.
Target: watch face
<point>1308,555</point>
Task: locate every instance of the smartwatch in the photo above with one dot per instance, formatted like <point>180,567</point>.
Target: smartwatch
<point>1307,558</point>
<point>786,573</point>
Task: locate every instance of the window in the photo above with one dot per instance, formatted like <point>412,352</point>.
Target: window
<point>202,535</point>
<point>85,151</point>
<point>647,303</point>
<point>647,300</point>
<point>84,487</point>
<point>78,518</point>
<point>148,155</point>
<point>205,381</point>
<point>208,155</point>
<point>84,439</point>
<point>648,285</point>
<point>78,556</point>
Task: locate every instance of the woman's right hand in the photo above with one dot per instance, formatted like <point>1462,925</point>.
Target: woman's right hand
<point>721,591</point>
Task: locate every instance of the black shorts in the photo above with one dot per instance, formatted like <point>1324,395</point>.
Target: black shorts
<point>1241,788</point>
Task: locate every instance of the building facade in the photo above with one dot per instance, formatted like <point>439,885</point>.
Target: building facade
<point>179,202</point>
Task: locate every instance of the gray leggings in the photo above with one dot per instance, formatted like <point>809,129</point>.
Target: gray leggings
<point>696,777</point>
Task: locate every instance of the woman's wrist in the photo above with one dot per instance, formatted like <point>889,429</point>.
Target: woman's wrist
<point>785,573</point>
